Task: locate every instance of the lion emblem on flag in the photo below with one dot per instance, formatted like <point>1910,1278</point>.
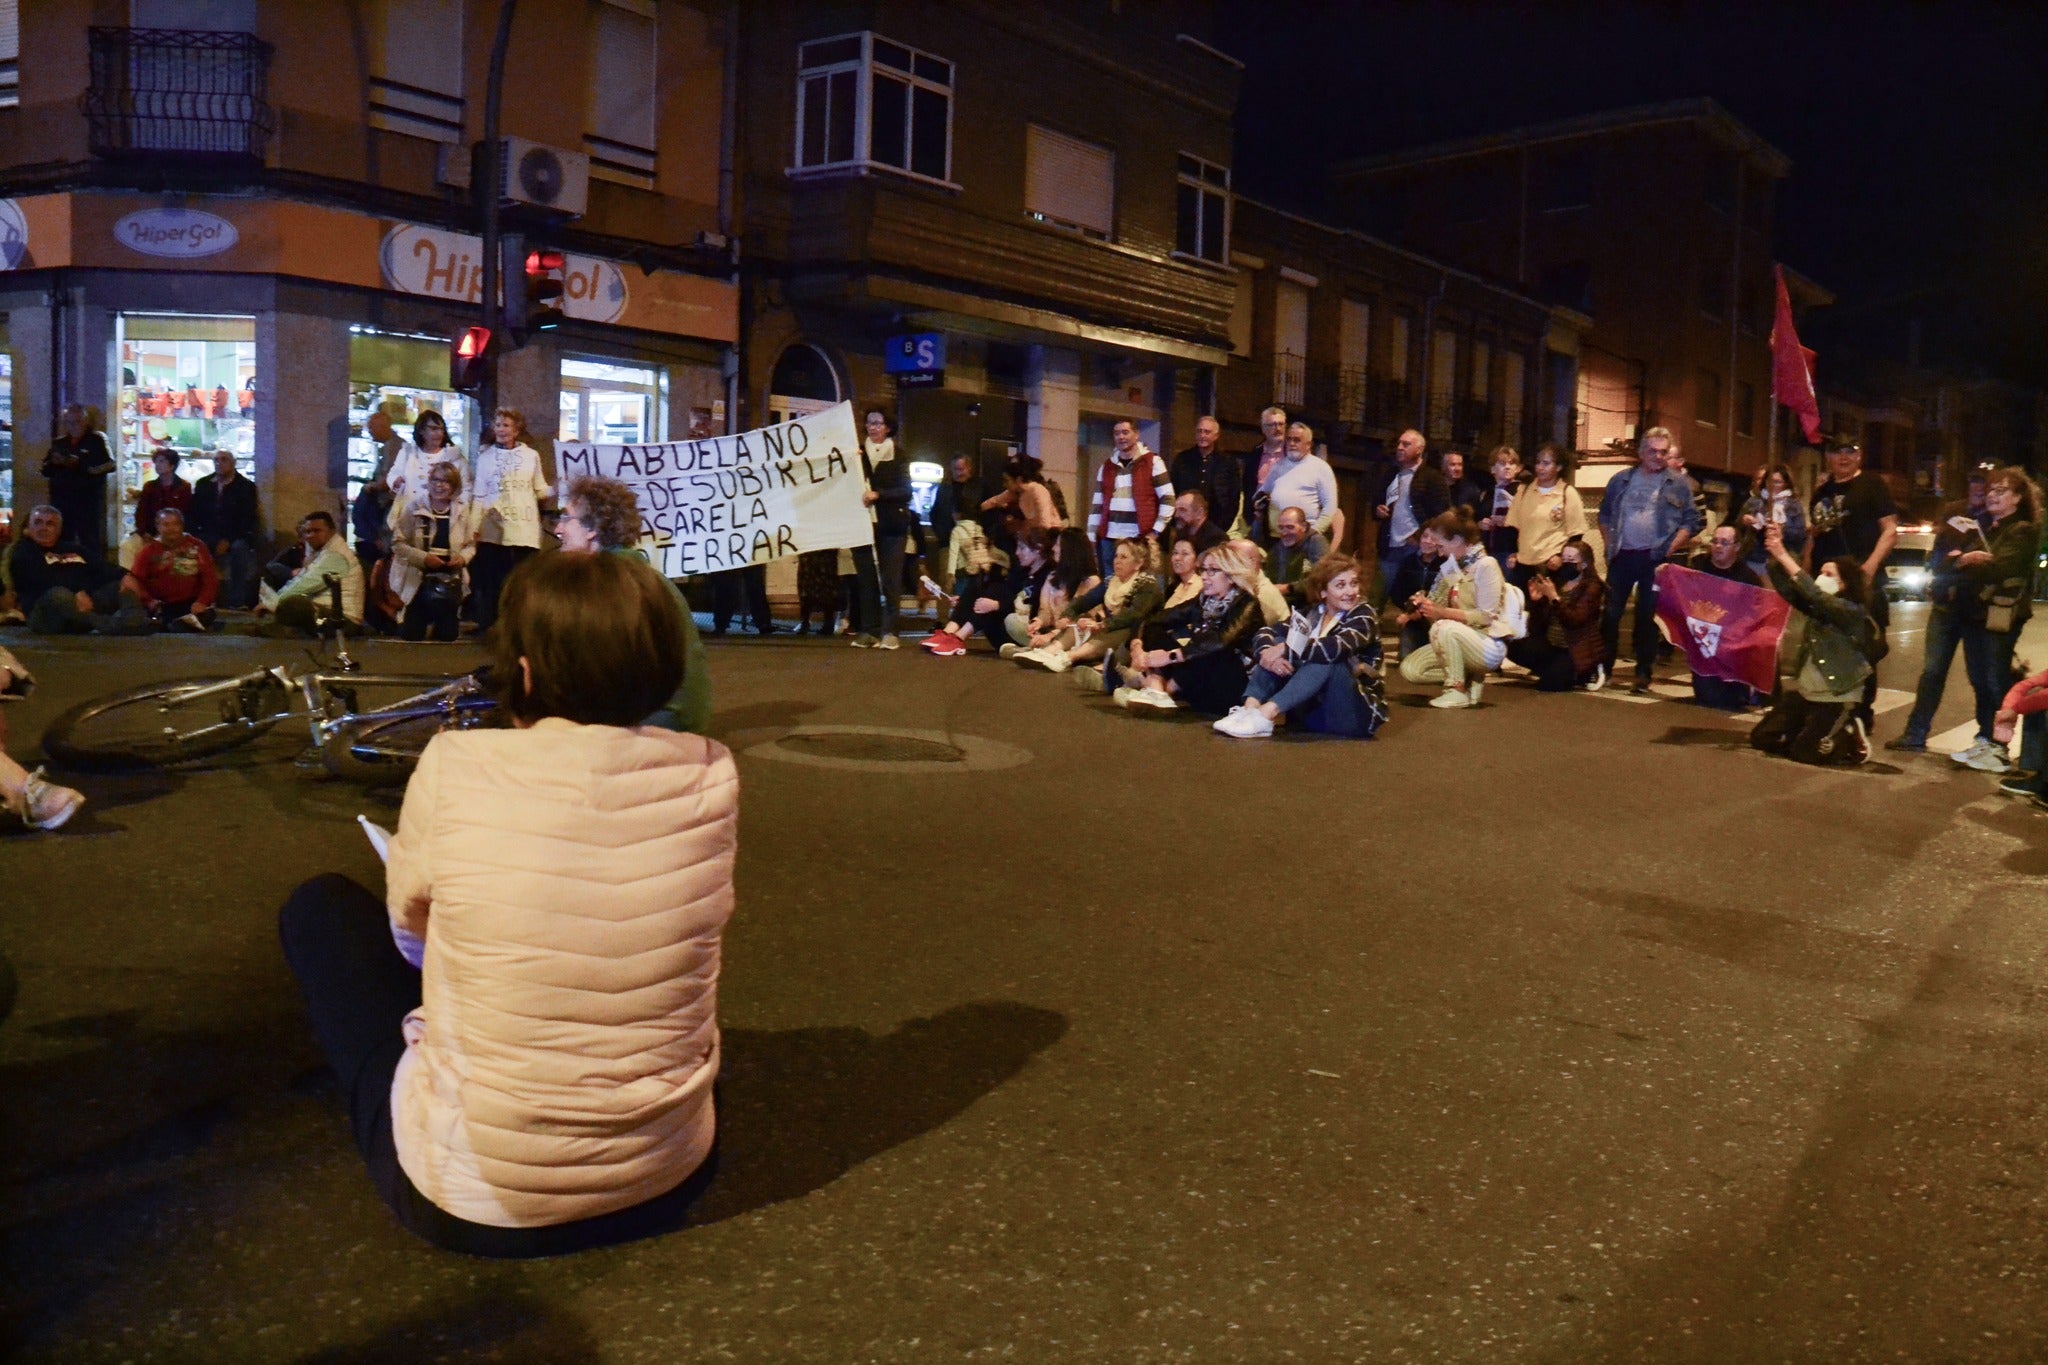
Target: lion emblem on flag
<point>1704,621</point>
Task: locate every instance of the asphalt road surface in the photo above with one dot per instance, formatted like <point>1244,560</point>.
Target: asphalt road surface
<point>1566,1029</point>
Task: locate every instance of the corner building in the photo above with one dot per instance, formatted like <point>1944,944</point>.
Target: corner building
<point>242,225</point>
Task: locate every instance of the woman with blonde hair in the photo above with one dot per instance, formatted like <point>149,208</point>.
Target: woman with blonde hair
<point>1194,655</point>
<point>433,539</point>
<point>507,489</point>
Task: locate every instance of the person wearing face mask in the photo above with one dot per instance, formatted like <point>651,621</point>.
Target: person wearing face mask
<point>1564,648</point>
<point>1322,669</point>
<point>1830,648</point>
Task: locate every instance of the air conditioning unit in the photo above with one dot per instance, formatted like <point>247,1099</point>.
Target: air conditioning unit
<point>542,177</point>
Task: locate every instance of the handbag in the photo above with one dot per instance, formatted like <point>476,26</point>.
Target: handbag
<point>2002,606</point>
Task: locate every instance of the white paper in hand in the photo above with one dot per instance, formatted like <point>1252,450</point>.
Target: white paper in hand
<point>379,837</point>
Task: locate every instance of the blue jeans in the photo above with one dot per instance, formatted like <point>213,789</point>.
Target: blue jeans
<point>1318,697</point>
<point>1987,657</point>
<point>1632,570</point>
<point>1944,633</point>
<point>237,576</point>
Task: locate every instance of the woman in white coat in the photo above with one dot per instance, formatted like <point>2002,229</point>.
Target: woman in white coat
<point>525,1026</point>
<point>508,489</point>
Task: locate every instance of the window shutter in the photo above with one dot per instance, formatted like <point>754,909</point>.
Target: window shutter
<point>1069,181</point>
<point>423,45</point>
<point>10,30</point>
<point>622,102</point>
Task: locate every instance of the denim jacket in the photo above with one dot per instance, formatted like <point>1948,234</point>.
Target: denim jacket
<point>1675,510</point>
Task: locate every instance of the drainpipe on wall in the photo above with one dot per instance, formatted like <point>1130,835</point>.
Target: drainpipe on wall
<point>728,158</point>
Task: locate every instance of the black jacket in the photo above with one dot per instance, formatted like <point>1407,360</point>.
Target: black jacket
<point>1427,496</point>
<point>78,472</point>
<point>1180,627</point>
<point>1220,479</point>
<point>890,481</point>
<point>65,565</point>
<point>224,516</point>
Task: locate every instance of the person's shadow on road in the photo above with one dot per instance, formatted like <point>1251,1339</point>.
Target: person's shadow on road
<point>798,1108</point>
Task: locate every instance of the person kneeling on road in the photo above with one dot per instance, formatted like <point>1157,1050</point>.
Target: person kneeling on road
<point>1471,612</point>
<point>1831,645</point>
<point>174,577</point>
<point>1321,670</point>
<point>526,1023</point>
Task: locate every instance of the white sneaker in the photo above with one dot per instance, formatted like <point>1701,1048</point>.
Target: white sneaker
<point>44,804</point>
<point>1599,678</point>
<point>1990,758</point>
<point>1055,661</point>
<point>1963,756</point>
<point>1510,669</point>
<point>1451,699</point>
<point>1122,696</point>
<point>890,641</point>
<point>1010,651</point>
<point>192,623</point>
<point>1473,688</point>
<point>1154,698</point>
<point>1246,722</point>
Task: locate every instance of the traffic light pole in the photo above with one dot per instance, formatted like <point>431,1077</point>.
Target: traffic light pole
<point>487,186</point>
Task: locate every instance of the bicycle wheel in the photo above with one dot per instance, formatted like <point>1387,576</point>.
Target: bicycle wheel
<point>385,749</point>
<point>161,723</point>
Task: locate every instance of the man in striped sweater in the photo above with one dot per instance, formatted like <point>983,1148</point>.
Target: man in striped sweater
<point>1133,495</point>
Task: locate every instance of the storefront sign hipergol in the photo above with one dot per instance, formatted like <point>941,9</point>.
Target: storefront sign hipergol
<point>449,265</point>
<point>177,233</point>
<point>725,502</point>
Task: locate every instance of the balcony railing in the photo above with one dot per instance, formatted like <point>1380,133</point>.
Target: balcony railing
<point>159,92</point>
<point>1290,379</point>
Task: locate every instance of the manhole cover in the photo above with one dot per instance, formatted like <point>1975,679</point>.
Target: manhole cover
<point>880,749</point>
<point>873,748</point>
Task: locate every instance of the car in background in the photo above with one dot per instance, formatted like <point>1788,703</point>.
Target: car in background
<point>1908,572</point>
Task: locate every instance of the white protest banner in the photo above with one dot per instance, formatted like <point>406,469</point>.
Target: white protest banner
<point>725,502</point>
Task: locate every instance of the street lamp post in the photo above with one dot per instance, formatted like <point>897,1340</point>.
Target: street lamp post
<point>487,184</point>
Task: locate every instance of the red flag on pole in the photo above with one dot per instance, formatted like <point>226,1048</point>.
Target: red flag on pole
<point>1727,629</point>
<point>1792,366</point>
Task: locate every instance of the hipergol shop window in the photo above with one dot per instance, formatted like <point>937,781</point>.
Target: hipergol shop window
<point>187,382</point>
<point>613,404</point>
<point>403,376</point>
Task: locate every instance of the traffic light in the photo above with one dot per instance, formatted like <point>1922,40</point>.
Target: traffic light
<point>470,358</point>
<point>544,271</point>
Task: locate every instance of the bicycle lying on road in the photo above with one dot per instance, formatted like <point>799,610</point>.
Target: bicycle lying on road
<point>164,723</point>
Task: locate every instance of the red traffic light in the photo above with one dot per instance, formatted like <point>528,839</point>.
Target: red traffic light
<point>469,359</point>
<point>541,262</point>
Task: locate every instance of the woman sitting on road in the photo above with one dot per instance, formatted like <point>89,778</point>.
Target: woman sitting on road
<point>1071,573</point>
<point>1195,652</point>
<point>1564,648</point>
<point>1469,626</point>
<point>988,597</point>
<point>432,541</point>
<point>531,1072</point>
<point>1829,648</point>
<point>1099,620</point>
<point>1322,669</point>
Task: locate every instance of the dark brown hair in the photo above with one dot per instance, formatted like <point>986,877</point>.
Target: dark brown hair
<point>2015,478</point>
<point>1455,524</point>
<point>601,634</point>
<point>612,510</point>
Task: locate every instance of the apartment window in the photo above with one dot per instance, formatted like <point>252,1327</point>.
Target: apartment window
<point>1482,371</point>
<point>1203,226</point>
<point>1443,383</point>
<point>865,101</point>
<point>1354,338</point>
<point>1290,343</point>
<point>1706,406</point>
<point>418,88</point>
<point>1568,284</point>
<point>620,133</point>
<point>1069,183</point>
<point>1513,382</point>
<point>1745,408</point>
<point>1397,349</point>
<point>10,53</point>
<point>1714,289</point>
<point>1568,181</point>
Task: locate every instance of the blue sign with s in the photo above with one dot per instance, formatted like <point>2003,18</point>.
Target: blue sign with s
<point>918,353</point>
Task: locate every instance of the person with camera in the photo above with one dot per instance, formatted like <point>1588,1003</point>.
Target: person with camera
<point>1830,648</point>
<point>432,542</point>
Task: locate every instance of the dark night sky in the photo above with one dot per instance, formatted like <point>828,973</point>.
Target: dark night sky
<point>1918,133</point>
